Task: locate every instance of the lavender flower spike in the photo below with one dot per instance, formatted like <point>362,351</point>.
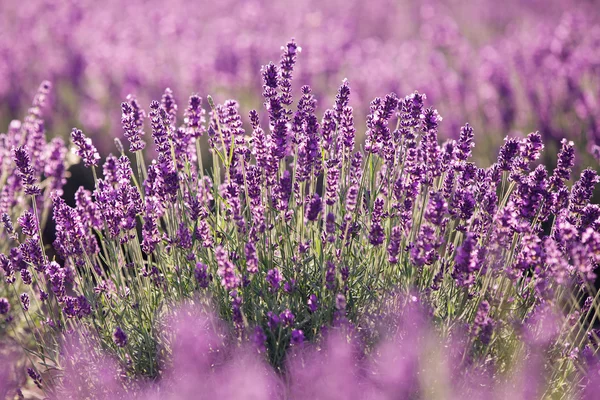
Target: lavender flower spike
<point>86,150</point>
<point>120,337</point>
<point>132,119</point>
<point>25,171</point>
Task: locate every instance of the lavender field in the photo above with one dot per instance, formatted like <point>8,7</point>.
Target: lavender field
<point>299,200</point>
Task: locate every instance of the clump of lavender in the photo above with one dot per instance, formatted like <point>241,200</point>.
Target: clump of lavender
<point>31,168</point>
<point>294,231</point>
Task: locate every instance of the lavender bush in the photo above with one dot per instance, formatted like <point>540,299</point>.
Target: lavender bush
<point>293,233</point>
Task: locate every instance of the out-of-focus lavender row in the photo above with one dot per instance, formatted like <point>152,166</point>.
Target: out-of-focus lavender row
<point>411,362</point>
<point>516,66</point>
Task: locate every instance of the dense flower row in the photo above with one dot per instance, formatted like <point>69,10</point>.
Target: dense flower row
<point>521,65</point>
<point>293,232</point>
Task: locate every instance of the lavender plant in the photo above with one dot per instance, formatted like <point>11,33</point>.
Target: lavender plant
<point>294,230</point>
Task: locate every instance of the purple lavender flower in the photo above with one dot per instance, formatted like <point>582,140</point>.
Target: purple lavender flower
<point>55,168</point>
<point>184,237</point>
<point>378,132</point>
<point>25,301</point>
<point>274,279</point>
<point>161,131</point>
<point>340,302</point>
<point>69,229</point>
<point>251,258</point>
<point>28,223</point>
<point>289,286</point>
<point>313,303</point>
<point>8,226</point>
<point>342,100</point>
<point>236,310</point>
<point>313,208</point>
<point>26,276</point>
<point>84,308</point>
<point>508,153</point>
<point>132,120</point>
<point>466,261</point>
<point>532,146</point>
<point>333,177</point>
<point>394,246</point>
<point>351,200</point>
<point>582,191</point>
<point>273,320</point>
<point>376,234</point>
<point>283,191</point>
<point>167,103</point>
<point>201,275</point>
<point>483,324</point>
<point>297,337</point>
<point>194,117</point>
<point>85,148</point>
<point>436,209</point>
<point>35,376</point>
<point>328,127</point>
<point>431,119</point>
<point>120,337</point>
<point>258,339</point>
<point>330,227</point>
<point>4,305</point>
<point>330,275</point>
<point>226,271</point>
<point>465,143</point>
<point>288,60</point>
<point>203,234</point>
<point>566,160</point>
<point>26,171</point>
<point>287,317</point>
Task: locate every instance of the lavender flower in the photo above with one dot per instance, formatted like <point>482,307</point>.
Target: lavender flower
<point>566,160</point>
<point>251,258</point>
<point>24,301</point>
<point>259,338</point>
<point>287,317</point>
<point>508,153</point>
<point>226,271</point>
<point>394,246</point>
<point>313,208</point>
<point>132,120</point>
<point>35,376</point>
<point>274,278</point>
<point>85,148</point>
<point>201,275</point>
<point>376,234</point>
<point>25,171</point>
<point>194,117</point>
<point>4,305</point>
<point>465,143</point>
<point>28,223</point>
<point>120,337</point>
<point>8,226</point>
<point>466,262</point>
<point>297,337</point>
<point>288,60</point>
<point>313,303</point>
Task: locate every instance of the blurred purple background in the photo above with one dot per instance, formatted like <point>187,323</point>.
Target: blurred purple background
<point>502,67</point>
